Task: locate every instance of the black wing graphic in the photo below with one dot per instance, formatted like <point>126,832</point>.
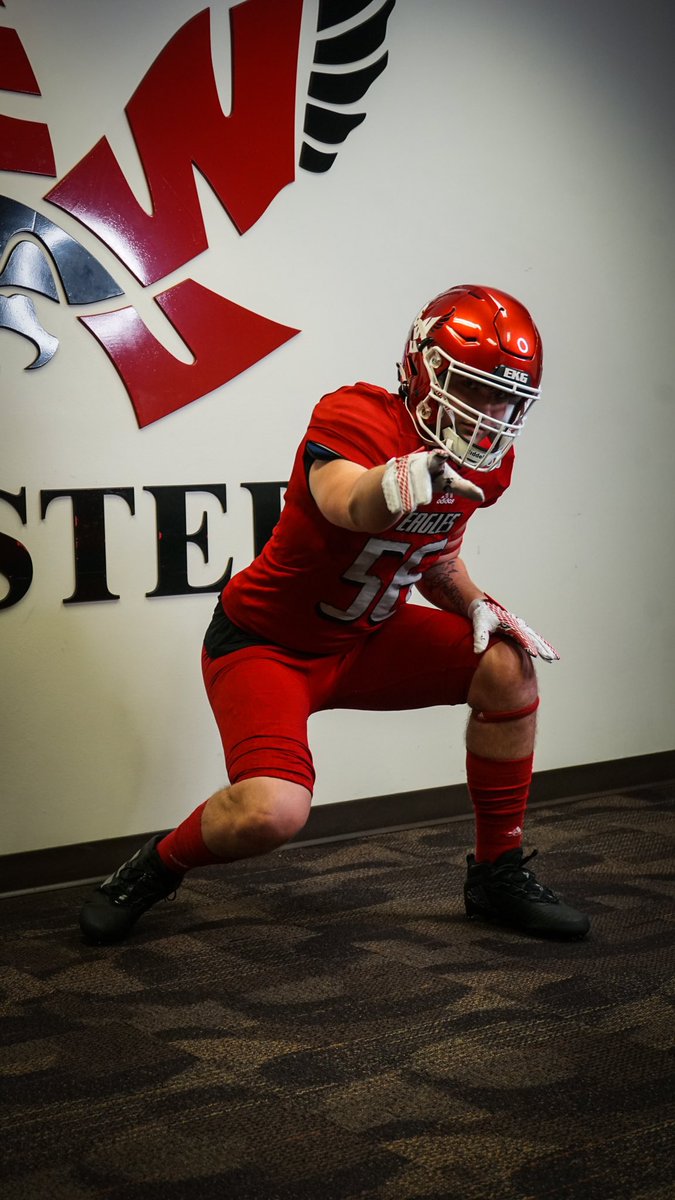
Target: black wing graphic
<point>327,124</point>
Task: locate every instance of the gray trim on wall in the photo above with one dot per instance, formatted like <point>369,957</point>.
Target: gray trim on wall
<point>63,866</point>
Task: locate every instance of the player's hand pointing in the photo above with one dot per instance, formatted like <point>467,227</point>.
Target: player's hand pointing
<point>444,478</point>
<point>413,480</point>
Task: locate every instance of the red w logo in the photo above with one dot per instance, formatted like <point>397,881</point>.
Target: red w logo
<point>247,157</point>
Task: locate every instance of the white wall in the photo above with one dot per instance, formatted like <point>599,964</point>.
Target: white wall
<point>528,145</point>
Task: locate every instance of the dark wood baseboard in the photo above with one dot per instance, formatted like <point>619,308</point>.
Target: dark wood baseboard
<point>61,866</point>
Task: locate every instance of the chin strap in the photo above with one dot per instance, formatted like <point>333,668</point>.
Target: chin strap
<point>515,714</point>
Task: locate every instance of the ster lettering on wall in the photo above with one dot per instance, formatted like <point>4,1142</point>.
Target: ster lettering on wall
<point>178,125</point>
<point>172,537</point>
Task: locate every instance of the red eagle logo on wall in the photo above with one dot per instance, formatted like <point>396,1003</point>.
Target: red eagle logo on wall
<point>178,125</point>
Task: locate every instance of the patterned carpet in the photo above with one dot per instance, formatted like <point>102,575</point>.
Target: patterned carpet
<point>324,1024</point>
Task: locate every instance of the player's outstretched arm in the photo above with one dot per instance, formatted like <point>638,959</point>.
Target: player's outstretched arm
<point>372,500</point>
<point>350,496</point>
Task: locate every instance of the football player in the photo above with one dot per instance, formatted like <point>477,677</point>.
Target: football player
<point>381,491</point>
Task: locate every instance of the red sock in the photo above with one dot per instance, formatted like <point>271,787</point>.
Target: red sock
<point>499,790</point>
<point>185,847</point>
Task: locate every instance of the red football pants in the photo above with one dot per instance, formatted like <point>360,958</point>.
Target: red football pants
<point>262,696</point>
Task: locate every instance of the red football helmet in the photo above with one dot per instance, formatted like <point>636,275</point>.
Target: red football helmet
<point>480,338</point>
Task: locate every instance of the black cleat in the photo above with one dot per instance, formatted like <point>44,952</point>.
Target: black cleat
<point>506,892</point>
<point>113,909</point>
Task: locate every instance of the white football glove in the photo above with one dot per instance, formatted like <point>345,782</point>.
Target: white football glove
<point>489,617</point>
<point>412,480</point>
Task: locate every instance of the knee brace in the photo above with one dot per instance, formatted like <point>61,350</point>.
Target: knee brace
<point>515,714</point>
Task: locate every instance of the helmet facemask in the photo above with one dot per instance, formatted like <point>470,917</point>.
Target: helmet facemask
<point>472,438</point>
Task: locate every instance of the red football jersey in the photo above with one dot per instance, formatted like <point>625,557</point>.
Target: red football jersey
<point>315,586</point>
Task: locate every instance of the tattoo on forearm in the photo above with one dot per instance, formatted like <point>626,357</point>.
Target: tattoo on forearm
<point>440,587</point>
